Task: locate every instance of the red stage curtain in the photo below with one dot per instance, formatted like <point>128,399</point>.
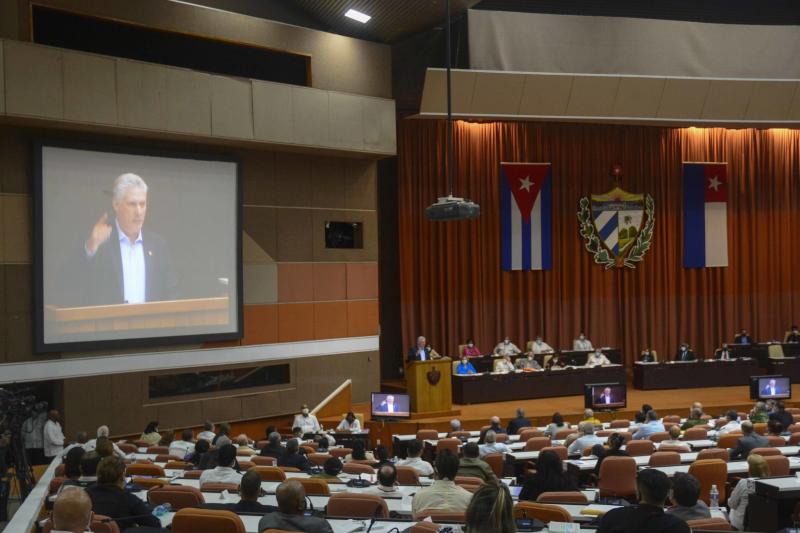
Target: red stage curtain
<point>452,286</point>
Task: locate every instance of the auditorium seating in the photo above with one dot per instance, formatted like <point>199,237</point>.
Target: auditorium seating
<point>495,460</point>
<point>659,436</point>
<point>357,468</point>
<point>728,440</point>
<point>341,453</point>
<point>427,434</point>
<point>442,516</point>
<point>714,453</point>
<point>318,459</point>
<point>562,497</point>
<point>219,487</point>
<point>665,459</point>
<point>315,487</point>
<point>206,521</point>
<point>448,444</point>
<point>145,469</point>
<point>270,473</point>
<point>778,465</point>
<point>262,460</point>
<point>561,451</point>
<point>178,496</point>
<point>709,524</point>
<point>536,444</point>
<point>529,434</point>
<point>710,472</point>
<point>149,482</point>
<point>695,433</point>
<point>617,477</point>
<point>353,505</point>
<point>541,511</point>
<point>775,440</point>
<point>640,447</point>
<point>407,475</point>
<point>766,451</point>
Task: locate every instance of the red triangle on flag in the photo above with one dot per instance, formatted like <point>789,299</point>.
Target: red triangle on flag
<point>525,182</point>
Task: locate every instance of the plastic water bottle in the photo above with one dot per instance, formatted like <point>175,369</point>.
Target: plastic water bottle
<point>161,510</point>
<point>713,497</point>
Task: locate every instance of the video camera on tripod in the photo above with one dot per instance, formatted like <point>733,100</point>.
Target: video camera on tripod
<point>15,407</point>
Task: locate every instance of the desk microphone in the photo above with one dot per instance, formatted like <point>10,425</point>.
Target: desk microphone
<point>375,514</point>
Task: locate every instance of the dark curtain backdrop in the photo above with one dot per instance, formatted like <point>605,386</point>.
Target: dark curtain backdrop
<point>452,286</point>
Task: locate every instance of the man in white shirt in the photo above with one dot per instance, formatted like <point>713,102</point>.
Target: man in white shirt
<point>506,347</point>
<point>414,451</point>
<point>491,445</point>
<point>208,431</point>
<point>80,442</point>
<point>597,358</point>
<point>732,423</point>
<point>72,511</point>
<point>224,473</point>
<point>306,421</point>
<point>387,483</point>
<point>181,448</point>
<point>443,494</point>
<point>674,438</point>
<point>582,343</point>
<point>103,431</point>
<point>504,365</point>
<point>539,346</point>
<point>586,440</point>
<point>33,434</point>
<point>53,436</point>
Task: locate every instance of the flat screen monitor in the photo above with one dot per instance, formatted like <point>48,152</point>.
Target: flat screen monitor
<point>770,387</point>
<point>605,395</point>
<point>390,405</point>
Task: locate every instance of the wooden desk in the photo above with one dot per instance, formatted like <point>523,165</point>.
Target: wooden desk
<point>694,374</point>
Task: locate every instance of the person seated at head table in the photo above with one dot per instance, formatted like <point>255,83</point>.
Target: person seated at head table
<point>387,482</point>
<point>757,467</point>
<point>686,502</point>
<point>330,469</point>
<point>582,344</point>
<point>793,336</point>
<point>549,477</point>
<point>540,347</point>
<point>414,453</point>
<point>597,358</point>
<point>504,365</point>
<point>470,350</point>
<point>557,362</point>
<point>743,338</point>
<point>293,457</point>
<point>684,353</point>
<point>506,347</point>
<point>723,353</point>
<point>109,497</point>
<point>349,424</point>
<point>527,363</point>
<point>647,356</point>
<point>652,488</point>
<point>675,438</point>
<point>306,421</point>
<point>291,497</point>
<point>651,425</point>
<point>613,448</point>
<point>731,423</point>
<point>472,465</point>
<point>464,367</point>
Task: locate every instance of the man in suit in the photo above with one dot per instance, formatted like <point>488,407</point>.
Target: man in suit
<point>519,422</point>
<point>291,498</point>
<point>684,353</point>
<point>422,352</point>
<point>389,405</point>
<point>772,388</point>
<point>605,397</point>
<point>743,338</point>
<point>123,263</point>
<point>748,442</point>
<point>723,354</point>
<point>793,336</point>
<point>647,356</point>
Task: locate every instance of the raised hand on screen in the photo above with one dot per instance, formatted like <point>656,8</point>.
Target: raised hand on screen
<point>101,231</point>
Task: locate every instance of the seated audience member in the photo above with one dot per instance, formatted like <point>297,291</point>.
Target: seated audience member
<point>387,482</point>
<point>695,419</point>
<point>89,463</point>
<point>291,498</point>
<point>582,344</point>
<point>470,350</point>
<point>587,439</point>
<point>293,457</point>
<point>274,448</point>
<point>647,356</point>
<point>166,438</point>
<point>638,420</point>
<point>224,472</point>
<point>306,421</point>
<point>775,428</point>
<point>504,365</point>
<point>200,449</point>
<point>103,432</point>
<point>540,347</point>
<point>181,448</point>
<point>549,477</point>
<point>557,362</point>
<point>104,447</point>
<point>556,424</point>
<point>150,435</point>
<point>597,358</point>
<point>494,425</point>
<point>527,363</point>
<point>111,499</point>
<point>748,442</point>
<point>243,446</point>
<point>698,406</point>
<point>80,441</point>
<point>686,502</point>
<point>249,493</point>
<point>519,422</point>
<point>615,443</point>
<point>782,415</point>
<point>472,465</point>
<point>210,459</point>
<point>743,338</point>
<point>359,453</point>
<point>491,510</point>
<point>443,494</point>
<point>793,336</point>
<point>414,451</point>
<point>650,426</point>
<point>675,438</point>
<point>724,353</point>
<point>759,413</point>
<point>506,347</point>
<point>381,454</point>
<point>731,423</point>
<point>223,430</point>
<point>684,353</point>
<point>455,425</point>
<point>757,467</point>
<point>331,469</point>
<point>652,487</point>
<point>491,445</point>
<point>322,443</point>
<point>72,511</point>
<point>588,416</point>
<point>72,467</point>
<point>464,367</point>
<point>349,424</point>
<point>297,435</point>
<point>208,432</point>
<point>646,408</point>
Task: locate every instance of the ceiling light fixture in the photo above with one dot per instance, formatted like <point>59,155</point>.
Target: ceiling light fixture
<point>363,18</point>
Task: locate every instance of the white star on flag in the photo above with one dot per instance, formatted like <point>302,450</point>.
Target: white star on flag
<point>525,184</point>
<point>714,183</point>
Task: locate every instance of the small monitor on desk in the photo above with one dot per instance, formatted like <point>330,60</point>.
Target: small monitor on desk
<point>385,405</point>
<point>775,387</point>
<point>604,395</point>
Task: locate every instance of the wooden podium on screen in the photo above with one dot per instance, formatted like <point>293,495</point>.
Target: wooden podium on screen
<point>429,385</point>
<point>151,315</point>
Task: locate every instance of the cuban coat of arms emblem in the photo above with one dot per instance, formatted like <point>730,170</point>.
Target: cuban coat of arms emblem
<point>617,227</point>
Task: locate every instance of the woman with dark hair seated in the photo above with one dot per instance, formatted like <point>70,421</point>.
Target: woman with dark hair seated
<point>491,510</point>
<point>201,448</point>
<point>549,477</point>
<point>359,453</point>
<point>556,423</point>
<point>111,499</point>
<point>381,454</point>
<point>774,427</point>
<point>614,443</point>
<point>150,434</point>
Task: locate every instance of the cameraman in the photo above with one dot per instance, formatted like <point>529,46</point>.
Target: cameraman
<point>5,440</point>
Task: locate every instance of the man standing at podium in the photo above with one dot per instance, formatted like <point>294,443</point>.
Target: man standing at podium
<point>124,264</point>
<point>422,352</point>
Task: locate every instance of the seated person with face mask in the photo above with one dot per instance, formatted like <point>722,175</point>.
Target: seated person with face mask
<point>465,367</point>
<point>470,350</point>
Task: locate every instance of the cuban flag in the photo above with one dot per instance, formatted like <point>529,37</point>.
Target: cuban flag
<point>705,215</point>
<point>525,216</point>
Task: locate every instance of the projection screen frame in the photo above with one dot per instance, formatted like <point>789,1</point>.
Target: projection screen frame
<point>40,347</point>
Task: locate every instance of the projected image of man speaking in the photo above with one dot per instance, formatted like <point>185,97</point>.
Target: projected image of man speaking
<point>126,263</point>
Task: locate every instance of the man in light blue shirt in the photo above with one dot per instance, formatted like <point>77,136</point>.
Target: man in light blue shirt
<point>586,440</point>
<point>492,446</point>
<point>651,425</point>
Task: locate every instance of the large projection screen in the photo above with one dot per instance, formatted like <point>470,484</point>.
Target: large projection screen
<point>135,248</point>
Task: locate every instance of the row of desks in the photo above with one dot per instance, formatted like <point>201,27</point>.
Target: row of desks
<point>694,374</point>
<point>485,363</point>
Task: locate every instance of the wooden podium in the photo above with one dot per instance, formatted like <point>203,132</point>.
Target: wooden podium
<point>429,385</point>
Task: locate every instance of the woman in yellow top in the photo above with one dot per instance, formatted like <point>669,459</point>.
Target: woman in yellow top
<point>151,435</point>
